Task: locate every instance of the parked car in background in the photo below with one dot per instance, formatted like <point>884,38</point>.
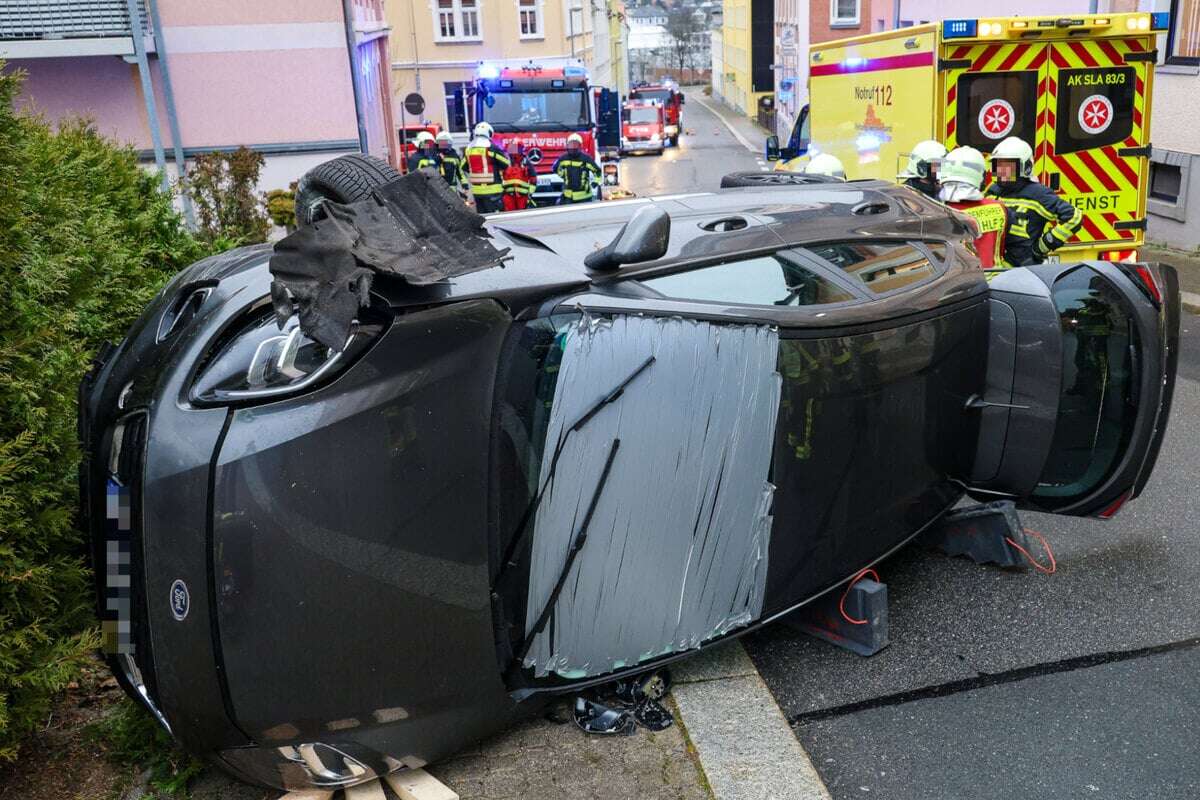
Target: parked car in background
<point>319,565</point>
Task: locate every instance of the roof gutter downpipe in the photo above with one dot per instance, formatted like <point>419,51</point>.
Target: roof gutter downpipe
<point>352,52</point>
<point>160,47</point>
<point>139,51</point>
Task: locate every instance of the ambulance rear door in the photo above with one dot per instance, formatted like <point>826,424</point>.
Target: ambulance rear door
<point>1094,139</point>
<point>871,98</point>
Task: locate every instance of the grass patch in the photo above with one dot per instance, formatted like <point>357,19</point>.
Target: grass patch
<point>131,738</point>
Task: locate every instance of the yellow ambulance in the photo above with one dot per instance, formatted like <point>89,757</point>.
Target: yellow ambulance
<point>1077,89</point>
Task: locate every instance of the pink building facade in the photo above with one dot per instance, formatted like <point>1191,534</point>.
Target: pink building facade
<point>301,81</point>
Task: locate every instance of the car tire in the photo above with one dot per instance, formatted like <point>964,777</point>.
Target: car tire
<point>345,179</point>
<point>780,178</point>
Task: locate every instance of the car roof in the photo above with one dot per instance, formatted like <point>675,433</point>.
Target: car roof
<point>548,245</point>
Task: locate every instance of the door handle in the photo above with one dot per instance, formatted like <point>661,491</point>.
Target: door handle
<point>725,224</point>
<point>870,207</point>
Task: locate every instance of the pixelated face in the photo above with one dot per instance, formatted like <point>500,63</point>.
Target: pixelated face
<point>1006,170</point>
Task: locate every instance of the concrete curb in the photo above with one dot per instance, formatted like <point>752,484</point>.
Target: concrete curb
<point>745,746</point>
<point>1191,302</point>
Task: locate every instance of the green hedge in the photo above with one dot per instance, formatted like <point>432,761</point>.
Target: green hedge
<point>86,239</point>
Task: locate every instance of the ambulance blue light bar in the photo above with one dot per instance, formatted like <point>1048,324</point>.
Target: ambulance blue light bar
<point>1160,20</point>
<point>574,72</point>
<point>959,28</point>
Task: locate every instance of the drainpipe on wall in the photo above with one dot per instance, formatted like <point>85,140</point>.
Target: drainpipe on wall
<point>139,53</point>
<point>160,47</point>
<point>352,52</point>
<point>895,14</point>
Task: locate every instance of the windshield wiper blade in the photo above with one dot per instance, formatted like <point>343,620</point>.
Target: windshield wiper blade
<point>576,546</point>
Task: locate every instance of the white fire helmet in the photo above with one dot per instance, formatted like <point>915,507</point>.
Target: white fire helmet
<point>961,175</point>
<point>483,129</point>
<point>1015,149</point>
<point>825,164</point>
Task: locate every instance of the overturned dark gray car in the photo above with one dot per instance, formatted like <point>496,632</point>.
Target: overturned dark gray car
<point>321,561</point>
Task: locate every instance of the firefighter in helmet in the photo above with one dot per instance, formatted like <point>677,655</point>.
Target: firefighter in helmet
<point>484,164</point>
<point>426,154</point>
<point>519,178</point>
<point>961,175</point>
<point>825,164</point>
<point>921,172</point>
<point>578,170</point>
<point>452,162</point>
<point>1039,220</point>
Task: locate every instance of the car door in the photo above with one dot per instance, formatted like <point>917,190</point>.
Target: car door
<point>1081,369</point>
<point>725,439</point>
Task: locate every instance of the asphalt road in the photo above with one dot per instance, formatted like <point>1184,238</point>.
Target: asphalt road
<point>707,150</point>
<point>1001,684</point>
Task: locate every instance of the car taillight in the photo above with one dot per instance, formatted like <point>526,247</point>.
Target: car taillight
<point>1112,510</point>
<point>1147,279</point>
<point>1126,256</point>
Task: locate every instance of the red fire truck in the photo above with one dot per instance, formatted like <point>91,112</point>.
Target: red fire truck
<point>539,104</point>
<point>642,127</point>
<point>671,98</point>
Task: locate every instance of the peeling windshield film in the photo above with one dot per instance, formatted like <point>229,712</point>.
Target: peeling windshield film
<point>641,116</point>
<point>511,111</point>
<point>762,281</point>
<point>880,267</point>
<point>1095,108</point>
<point>1098,405</point>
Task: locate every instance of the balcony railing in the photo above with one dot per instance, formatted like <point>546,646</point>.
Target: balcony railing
<point>23,20</point>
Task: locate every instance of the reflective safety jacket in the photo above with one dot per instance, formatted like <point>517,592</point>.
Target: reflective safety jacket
<point>992,218</point>
<point>578,172</point>
<point>452,167</point>
<point>484,165</point>
<point>422,159</point>
<point>1032,207</point>
<point>519,178</point>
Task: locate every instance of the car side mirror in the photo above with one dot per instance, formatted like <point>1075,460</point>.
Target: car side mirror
<point>772,148</point>
<point>643,238</point>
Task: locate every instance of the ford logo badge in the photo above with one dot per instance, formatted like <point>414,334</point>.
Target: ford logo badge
<point>180,600</point>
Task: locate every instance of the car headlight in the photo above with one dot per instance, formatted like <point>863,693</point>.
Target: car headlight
<point>654,137</point>
<point>258,360</point>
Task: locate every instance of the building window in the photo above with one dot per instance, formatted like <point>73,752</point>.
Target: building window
<point>1183,38</point>
<point>456,20</point>
<point>529,13</point>
<point>843,13</point>
<point>458,99</point>
<point>1166,180</point>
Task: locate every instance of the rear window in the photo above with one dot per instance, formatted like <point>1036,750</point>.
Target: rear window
<point>995,105</point>
<point>774,280</point>
<point>1095,108</point>
<point>880,267</point>
<point>1098,405</point>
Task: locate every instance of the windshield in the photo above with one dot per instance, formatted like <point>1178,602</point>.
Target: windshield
<point>661,95</point>
<point>641,116</point>
<point>525,111</point>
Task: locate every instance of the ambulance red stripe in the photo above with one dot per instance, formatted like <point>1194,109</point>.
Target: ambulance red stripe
<point>1082,53</point>
<point>1074,177</point>
<point>1097,171</point>
<point>1017,53</point>
<point>984,58</point>
<point>1115,57</point>
<point>874,64</point>
<point>1121,164</point>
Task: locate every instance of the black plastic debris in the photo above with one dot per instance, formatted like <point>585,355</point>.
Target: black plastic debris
<point>595,717</point>
<point>414,228</point>
<point>623,705</point>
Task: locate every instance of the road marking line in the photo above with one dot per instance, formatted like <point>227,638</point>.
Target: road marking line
<point>699,99</point>
<point>745,745</point>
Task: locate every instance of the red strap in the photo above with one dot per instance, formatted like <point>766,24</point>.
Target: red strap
<point>858,576</point>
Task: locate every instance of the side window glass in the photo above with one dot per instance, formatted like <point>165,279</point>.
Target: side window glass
<point>776,279</point>
<point>880,267</point>
<point>995,105</point>
<point>1095,108</point>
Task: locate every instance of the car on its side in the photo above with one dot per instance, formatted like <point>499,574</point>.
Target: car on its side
<point>319,565</point>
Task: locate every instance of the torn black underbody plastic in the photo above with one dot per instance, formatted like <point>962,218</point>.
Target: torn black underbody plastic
<point>621,706</point>
<point>413,228</point>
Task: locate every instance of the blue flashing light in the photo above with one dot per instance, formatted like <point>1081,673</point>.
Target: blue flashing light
<point>854,62</point>
<point>488,71</point>
<point>959,28</point>
<point>574,72</point>
<point>1160,20</point>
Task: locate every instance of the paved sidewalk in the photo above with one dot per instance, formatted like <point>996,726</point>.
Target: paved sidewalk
<point>744,129</point>
<point>1191,302</point>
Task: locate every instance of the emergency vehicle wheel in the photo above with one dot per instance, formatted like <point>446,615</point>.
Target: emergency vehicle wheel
<point>736,179</point>
<point>343,180</point>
